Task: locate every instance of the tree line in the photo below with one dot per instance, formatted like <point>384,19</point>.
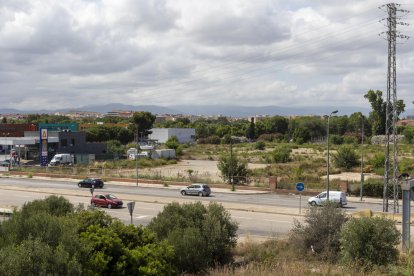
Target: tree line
<point>301,129</point>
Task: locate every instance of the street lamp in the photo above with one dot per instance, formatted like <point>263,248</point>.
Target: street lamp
<point>327,157</point>
<point>362,157</point>
<point>136,157</point>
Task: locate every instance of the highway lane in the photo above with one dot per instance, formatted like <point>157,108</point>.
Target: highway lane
<point>263,199</point>
<point>252,224</point>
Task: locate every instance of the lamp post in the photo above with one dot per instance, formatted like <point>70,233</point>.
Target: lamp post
<point>327,157</point>
<point>362,157</point>
<point>136,156</point>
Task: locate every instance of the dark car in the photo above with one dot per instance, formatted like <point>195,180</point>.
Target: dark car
<point>5,163</point>
<point>91,183</point>
<point>108,200</point>
<point>196,189</point>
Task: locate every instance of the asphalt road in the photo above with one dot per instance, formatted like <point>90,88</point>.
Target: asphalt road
<point>261,199</point>
<point>252,224</point>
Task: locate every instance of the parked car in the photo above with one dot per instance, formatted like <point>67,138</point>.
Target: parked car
<point>196,189</point>
<point>108,200</point>
<point>5,163</point>
<point>334,196</point>
<point>91,183</point>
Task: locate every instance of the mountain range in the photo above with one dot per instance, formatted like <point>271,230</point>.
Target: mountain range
<point>206,110</point>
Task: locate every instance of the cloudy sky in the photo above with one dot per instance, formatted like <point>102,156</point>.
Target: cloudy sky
<point>73,53</point>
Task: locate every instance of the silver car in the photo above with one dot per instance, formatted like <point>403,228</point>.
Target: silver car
<point>196,189</point>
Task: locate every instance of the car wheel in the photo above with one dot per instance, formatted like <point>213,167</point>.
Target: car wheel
<point>101,186</point>
<point>200,194</point>
<point>109,206</point>
<point>183,193</point>
<point>79,185</point>
<point>313,203</point>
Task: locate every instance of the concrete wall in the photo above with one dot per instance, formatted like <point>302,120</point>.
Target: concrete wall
<point>184,135</point>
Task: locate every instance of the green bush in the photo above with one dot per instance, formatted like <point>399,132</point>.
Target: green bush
<point>371,189</point>
<point>377,161</point>
<point>345,158</point>
<point>337,139</point>
<point>232,168</point>
<point>215,140</point>
<point>369,241</point>
<point>201,236</point>
<point>320,232</point>
<point>281,155</point>
<point>260,145</point>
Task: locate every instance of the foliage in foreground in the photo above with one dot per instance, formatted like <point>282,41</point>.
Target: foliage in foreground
<point>370,241</point>
<point>48,237</point>
<point>201,236</point>
<point>320,234</point>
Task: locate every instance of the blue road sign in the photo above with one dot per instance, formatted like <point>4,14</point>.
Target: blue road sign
<point>300,186</point>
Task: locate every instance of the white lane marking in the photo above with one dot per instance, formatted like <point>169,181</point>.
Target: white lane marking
<point>146,208</point>
<point>276,220</point>
<point>141,217</point>
<point>242,217</point>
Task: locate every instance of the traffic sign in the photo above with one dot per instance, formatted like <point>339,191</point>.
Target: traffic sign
<point>131,206</point>
<point>300,186</point>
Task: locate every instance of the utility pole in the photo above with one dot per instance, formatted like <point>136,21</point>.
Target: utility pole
<point>362,157</point>
<point>231,161</point>
<point>391,187</point>
<point>136,156</point>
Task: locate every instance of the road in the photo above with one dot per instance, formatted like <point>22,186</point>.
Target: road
<point>261,199</point>
<point>253,224</point>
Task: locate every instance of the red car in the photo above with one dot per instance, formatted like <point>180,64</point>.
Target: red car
<point>108,200</point>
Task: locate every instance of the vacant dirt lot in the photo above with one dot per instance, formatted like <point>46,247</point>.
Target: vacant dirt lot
<point>203,169</point>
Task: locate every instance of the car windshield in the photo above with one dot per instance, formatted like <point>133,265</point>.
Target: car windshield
<point>111,196</point>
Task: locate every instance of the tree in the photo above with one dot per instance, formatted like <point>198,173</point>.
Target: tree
<point>35,257</point>
<point>369,241</point>
<point>125,250</point>
<point>144,120</point>
<point>232,168</point>
<point>320,232</point>
<point>377,116</point>
<point>275,124</point>
<point>346,158</point>
<point>301,135</point>
<point>201,236</point>
<point>251,131</point>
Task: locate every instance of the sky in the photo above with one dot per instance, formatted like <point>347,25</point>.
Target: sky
<point>75,53</point>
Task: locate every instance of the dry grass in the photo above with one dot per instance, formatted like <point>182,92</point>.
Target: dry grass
<point>276,257</point>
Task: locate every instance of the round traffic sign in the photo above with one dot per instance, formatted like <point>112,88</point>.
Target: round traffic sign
<point>300,186</point>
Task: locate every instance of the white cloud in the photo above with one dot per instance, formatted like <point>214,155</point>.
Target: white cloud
<point>265,52</point>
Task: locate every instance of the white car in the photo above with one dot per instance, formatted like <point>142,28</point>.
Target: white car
<point>334,196</point>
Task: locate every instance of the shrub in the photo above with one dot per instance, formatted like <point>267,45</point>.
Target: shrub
<point>260,145</point>
<point>369,241</point>
<point>371,189</point>
<point>270,137</point>
<point>345,158</point>
<point>232,168</point>
<point>320,233</point>
<point>281,155</point>
<point>200,235</point>
<point>337,139</point>
<point>377,161</point>
<point>215,140</point>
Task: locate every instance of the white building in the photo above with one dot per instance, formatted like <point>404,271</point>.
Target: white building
<point>184,135</point>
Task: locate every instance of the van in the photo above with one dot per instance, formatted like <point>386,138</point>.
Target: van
<point>334,196</point>
<point>61,159</point>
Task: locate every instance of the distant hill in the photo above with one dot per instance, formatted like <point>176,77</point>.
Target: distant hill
<point>225,110</point>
